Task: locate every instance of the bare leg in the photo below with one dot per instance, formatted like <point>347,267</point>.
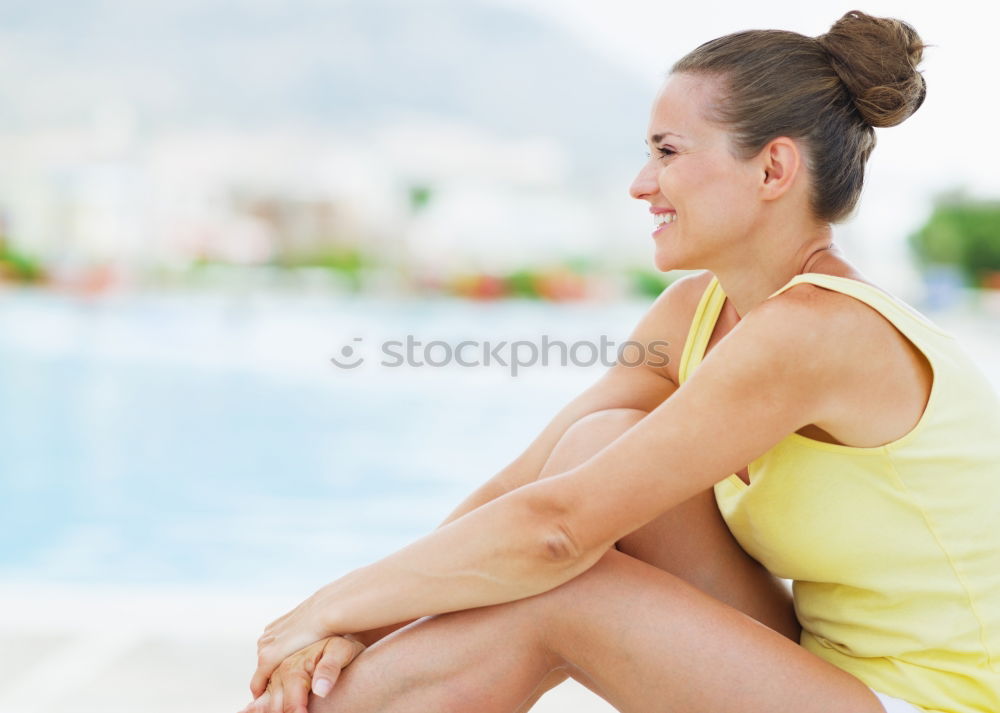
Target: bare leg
<point>525,679</point>
<point>473,661</point>
<point>645,639</point>
<point>503,658</point>
<point>691,540</point>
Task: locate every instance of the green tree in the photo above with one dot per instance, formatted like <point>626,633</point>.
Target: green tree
<point>961,232</point>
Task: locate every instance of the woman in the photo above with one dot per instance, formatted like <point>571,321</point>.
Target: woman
<point>812,428</point>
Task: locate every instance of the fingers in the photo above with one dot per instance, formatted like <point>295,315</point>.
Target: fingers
<point>273,699</point>
<point>284,688</point>
<point>265,665</point>
<point>274,646</point>
<point>262,703</point>
<point>277,700</point>
<point>258,683</point>
<point>259,705</point>
<point>268,659</point>
<point>337,653</point>
<point>296,692</point>
<point>287,689</point>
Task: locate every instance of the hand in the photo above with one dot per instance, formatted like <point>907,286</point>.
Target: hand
<point>296,630</point>
<point>315,667</point>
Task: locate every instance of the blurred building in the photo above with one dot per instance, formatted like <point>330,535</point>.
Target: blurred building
<point>453,134</point>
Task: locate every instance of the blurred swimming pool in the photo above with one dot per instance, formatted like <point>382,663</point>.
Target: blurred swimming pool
<point>207,439</point>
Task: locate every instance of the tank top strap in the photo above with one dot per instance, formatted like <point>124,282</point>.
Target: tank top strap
<point>903,316</point>
<point>702,325</point>
<point>914,325</point>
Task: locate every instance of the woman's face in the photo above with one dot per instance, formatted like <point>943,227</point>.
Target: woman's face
<point>692,178</point>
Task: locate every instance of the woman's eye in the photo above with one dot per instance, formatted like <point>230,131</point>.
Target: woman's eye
<point>664,152</point>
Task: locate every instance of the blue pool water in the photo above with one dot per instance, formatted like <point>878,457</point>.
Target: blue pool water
<point>207,439</point>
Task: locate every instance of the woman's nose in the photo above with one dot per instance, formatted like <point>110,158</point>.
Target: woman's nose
<point>645,182</point>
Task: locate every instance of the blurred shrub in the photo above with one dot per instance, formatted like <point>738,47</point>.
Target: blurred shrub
<point>523,283</point>
<point>18,267</point>
<point>477,286</point>
<point>348,263</point>
<point>555,283</point>
<point>650,283</point>
<point>420,196</point>
<point>963,233</point>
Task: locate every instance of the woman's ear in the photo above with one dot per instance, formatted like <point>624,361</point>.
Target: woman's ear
<point>780,162</point>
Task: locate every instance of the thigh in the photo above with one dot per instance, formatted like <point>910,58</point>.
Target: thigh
<point>693,542</point>
<point>648,641</point>
<point>690,540</point>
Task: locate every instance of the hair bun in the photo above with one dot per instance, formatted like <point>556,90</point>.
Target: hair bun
<point>877,58</point>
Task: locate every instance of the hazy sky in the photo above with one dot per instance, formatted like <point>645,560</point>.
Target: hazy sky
<point>950,141</point>
<point>952,135</point>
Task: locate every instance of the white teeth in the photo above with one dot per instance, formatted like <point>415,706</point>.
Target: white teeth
<point>661,218</point>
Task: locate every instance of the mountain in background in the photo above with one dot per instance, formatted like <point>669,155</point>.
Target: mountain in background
<point>347,66</point>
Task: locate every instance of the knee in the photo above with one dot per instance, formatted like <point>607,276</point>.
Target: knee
<point>588,435</point>
<point>609,421</point>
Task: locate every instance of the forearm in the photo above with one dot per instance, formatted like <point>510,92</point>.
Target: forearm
<point>523,470</point>
<point>508,549</point>
<point>622,387</point>
<point>499,485</point>
<point>606,393</point>
<point>510,478</point>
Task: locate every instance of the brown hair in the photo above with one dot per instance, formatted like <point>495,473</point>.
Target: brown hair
<point>828,91</point>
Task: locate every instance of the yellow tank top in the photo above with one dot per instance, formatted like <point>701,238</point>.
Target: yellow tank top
<point>893,551</point>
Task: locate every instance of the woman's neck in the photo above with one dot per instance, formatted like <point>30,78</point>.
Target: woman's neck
<point>745,289</point>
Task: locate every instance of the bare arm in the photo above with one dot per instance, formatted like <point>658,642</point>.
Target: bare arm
<point>778,370</point>
<point>657,341</point>
<point>775,372</point>
<point>644,386</point>
<point>620,387</point>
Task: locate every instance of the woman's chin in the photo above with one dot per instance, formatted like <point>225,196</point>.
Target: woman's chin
<point>664,262</point>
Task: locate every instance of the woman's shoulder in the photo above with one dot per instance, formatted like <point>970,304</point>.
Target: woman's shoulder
<point>852,300</point>
<point>882,379</point>
<point>677,303</point>
<point>670,315</point>
<point>847,319</point>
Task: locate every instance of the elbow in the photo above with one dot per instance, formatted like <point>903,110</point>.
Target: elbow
<point>554,541</point>
<point>558,544</point>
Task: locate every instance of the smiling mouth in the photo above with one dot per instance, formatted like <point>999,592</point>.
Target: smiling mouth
<point>661,220</point>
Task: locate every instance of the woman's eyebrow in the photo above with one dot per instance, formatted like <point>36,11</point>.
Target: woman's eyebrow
<point>659,137</point>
